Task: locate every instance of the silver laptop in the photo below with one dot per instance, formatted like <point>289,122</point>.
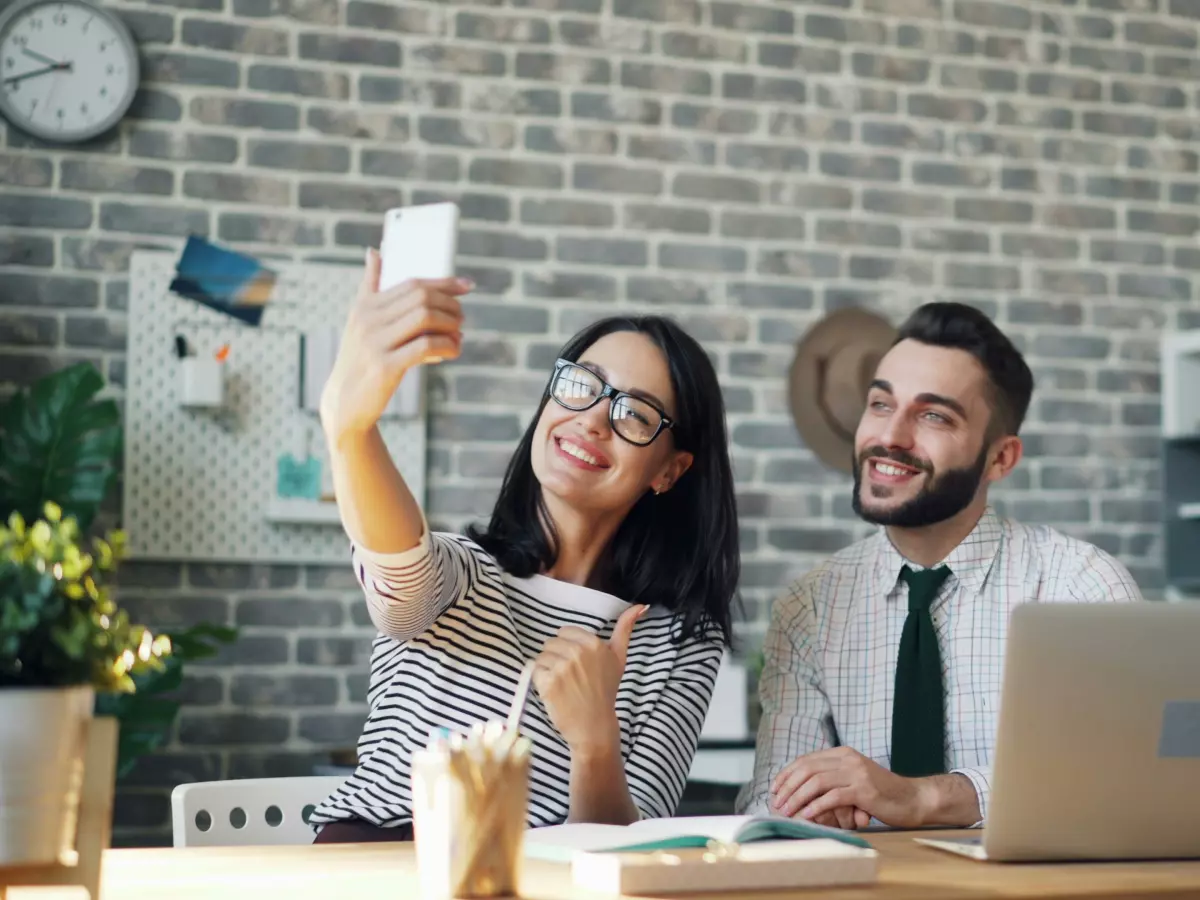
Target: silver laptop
<point>1098,741</point>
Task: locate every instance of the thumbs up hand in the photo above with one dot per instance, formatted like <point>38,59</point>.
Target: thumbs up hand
<point>577,674</point>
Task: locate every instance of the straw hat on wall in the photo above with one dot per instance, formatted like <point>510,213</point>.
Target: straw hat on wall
<point>830,375</point>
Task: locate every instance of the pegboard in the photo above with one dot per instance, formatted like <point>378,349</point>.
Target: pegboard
<point>200,484</point>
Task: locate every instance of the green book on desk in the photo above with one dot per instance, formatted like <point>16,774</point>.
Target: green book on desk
<point>560,843</point>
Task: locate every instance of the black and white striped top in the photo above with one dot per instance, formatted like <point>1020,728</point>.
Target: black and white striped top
<point>455,632</point>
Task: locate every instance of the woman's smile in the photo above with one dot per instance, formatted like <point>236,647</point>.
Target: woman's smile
<point>582,454</point>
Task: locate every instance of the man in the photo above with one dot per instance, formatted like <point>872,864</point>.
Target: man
<point>882,674</point>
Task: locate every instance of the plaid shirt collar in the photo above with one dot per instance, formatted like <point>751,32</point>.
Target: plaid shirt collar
<point>969,562</point>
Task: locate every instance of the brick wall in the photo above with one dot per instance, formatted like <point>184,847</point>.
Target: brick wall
<point>743,166</point>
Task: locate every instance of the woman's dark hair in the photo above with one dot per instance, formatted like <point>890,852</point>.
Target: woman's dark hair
<point>678,549</point>
<point>962,327</point>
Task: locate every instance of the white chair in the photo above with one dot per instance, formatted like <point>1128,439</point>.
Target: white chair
<point>248,811</point>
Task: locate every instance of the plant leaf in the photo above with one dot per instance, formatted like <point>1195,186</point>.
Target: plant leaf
<point>133,744</point>
<point>146,717</point>
<point>198,642</point>
<point>59,443</point>
<point>169,678</point>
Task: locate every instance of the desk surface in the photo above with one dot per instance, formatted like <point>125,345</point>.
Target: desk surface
<point>909,871</point>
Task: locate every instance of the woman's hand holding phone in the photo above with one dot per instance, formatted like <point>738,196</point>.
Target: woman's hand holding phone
<point>387,333</point>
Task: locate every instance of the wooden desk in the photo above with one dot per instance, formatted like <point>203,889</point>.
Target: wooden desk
<point>909,871</point>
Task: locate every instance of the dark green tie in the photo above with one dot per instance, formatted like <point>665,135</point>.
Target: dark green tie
<point>919,709</point>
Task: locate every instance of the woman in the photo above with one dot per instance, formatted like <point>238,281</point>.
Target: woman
<point>611,559</point>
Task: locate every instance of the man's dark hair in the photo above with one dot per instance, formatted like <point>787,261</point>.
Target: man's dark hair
<point>962,327</point>
<point>679,549</point>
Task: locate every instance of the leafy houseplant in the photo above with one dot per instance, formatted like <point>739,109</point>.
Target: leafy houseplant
<point>59,443</point>
<point>59,626</point>
<point>62,638</point>
<point>147,714</point>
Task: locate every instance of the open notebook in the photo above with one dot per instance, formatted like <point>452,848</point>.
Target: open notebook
<point>560,843</point>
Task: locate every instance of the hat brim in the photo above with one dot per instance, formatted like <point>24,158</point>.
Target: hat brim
<point>830,442</point>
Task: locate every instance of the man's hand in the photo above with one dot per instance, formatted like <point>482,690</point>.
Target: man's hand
<point>831,781</point>
<point>848,818</point>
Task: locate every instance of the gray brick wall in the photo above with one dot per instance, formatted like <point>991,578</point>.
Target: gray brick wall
<point>745,167</point>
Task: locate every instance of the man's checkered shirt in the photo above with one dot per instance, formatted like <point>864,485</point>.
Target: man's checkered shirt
<point>830,651</point>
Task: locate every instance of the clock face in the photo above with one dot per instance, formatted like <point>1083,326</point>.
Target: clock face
<point>68,70</point>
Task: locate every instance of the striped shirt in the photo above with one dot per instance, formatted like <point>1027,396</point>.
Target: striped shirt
<point>830,651</point>
<point>455,632</point>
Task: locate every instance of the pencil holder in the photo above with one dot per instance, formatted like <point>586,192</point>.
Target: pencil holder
<point>201,382</point>
<point>470,797</point>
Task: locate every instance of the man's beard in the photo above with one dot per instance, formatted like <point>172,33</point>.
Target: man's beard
<point>943,496</point>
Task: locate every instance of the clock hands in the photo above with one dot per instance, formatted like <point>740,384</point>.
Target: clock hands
<point>40,58</point>
<point>51,66</point>
<point>57,67</point>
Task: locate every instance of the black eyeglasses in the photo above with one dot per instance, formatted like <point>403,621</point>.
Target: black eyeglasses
<point>633,419</point>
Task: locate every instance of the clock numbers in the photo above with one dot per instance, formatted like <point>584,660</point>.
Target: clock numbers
<point>67,67</point>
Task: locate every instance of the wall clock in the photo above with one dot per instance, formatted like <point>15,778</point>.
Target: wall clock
<point>68,69</point>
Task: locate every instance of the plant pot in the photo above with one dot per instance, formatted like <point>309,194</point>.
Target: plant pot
<point>42,735</point>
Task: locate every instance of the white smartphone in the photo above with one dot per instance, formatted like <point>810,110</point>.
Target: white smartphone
<point>418,242</point>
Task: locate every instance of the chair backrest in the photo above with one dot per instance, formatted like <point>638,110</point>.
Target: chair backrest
<point>248,811</point>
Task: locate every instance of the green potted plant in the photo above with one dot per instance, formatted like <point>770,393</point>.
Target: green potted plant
<point>62,639</point>
<point>60,443</point>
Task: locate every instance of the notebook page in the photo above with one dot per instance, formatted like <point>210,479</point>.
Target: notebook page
<point>721,828</point>
<point>559,842</point>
